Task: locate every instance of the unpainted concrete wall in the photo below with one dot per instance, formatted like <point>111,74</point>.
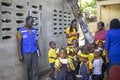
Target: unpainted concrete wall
<point>52,18</point>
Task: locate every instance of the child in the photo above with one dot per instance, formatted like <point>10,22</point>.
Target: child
<point>91,53</point>
<point>103,55</point>
<point>97,65</point>
<point>85,67</point>
<point>71,56</point>
<point>76,56</point>
<point>52,58</point>
<point>62,66</point>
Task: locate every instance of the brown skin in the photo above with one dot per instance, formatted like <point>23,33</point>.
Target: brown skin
<point>100,44</point>
<point>74,42</point>
<point>100,28</point>
<point>92,48</point>
<point>28,26</point>
<point>85,61</point>
<point>107,59</point>
<point>53,46</point>
<point>85,49</point>
<point>19,51</point>
<point>63,55</point>
<point>97,55</point>
<point>74,26</point>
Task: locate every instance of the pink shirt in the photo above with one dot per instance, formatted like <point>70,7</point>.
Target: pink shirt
<point>100,35</point>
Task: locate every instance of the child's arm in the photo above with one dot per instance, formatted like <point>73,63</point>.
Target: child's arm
<point>68,66</point>
<point>89,67</point>
<point>52,57</point>
<point>57,65</point>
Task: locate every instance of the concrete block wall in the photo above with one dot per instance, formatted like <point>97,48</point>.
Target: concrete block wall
<point>51,19</point>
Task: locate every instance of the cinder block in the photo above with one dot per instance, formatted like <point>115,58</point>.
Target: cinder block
<point>20,22</point>
<point>34,15</point>
<point>7,13</point>
<point>10,32</point>
<point>7,4</point>
<point>7,21</point>
<point>21,5</point>
<point>34,7</point>
<point>20,14</point>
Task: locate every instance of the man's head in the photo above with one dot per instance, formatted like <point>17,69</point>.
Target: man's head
<point>29,21</point>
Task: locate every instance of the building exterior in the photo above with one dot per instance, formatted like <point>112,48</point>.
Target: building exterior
<point>51,19</point>
<point>107,10</point>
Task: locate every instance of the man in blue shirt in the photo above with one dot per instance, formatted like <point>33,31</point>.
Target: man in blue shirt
<point>27,49</point>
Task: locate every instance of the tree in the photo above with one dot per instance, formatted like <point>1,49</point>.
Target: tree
<point>90,6</point>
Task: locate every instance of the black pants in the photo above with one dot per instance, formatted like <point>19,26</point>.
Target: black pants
<point>96,77</point>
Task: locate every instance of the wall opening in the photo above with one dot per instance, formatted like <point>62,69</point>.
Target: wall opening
<point>19,21</point>
<point>6,37</point>
<point>19,14</point>
<point>6,29</point>
<point>6,4</point>
<point>40,7</point>
<point>6,20</point>
<point>19,6</point>
<point>34,6</point>
<point>6,12</point>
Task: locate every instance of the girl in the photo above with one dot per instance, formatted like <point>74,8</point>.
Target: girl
<point>71,56</point>
<point>71,32</point>
<point>62,66</point>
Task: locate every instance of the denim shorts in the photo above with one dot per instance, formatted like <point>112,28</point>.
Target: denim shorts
<point>52,65</point>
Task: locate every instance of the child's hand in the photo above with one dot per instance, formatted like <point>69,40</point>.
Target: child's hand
<point>68,65</point>
<point>107,60</point>
<point>60,64</point>
<point>20,58</point>
<point>87,64</point>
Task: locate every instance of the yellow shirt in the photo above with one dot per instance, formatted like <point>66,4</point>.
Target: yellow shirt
<point>52,53</point>
<point>70,48</point>
<point>71,33</point>
<point>19,36</point>
<point>91,57</point>
<point>104,53</point>
<point>79,53</point>
<point>69,61</point>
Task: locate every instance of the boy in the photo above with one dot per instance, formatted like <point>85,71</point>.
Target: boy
<point>97,65</point>
<point>52,58</point>
<point>85,67</point>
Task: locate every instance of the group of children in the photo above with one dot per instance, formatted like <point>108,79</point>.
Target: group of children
<point>77,63</point>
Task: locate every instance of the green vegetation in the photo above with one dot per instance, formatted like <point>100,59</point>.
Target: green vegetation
<point>90,6</point>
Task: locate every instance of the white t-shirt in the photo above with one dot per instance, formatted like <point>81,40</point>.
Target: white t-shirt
<point>97,66</point>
